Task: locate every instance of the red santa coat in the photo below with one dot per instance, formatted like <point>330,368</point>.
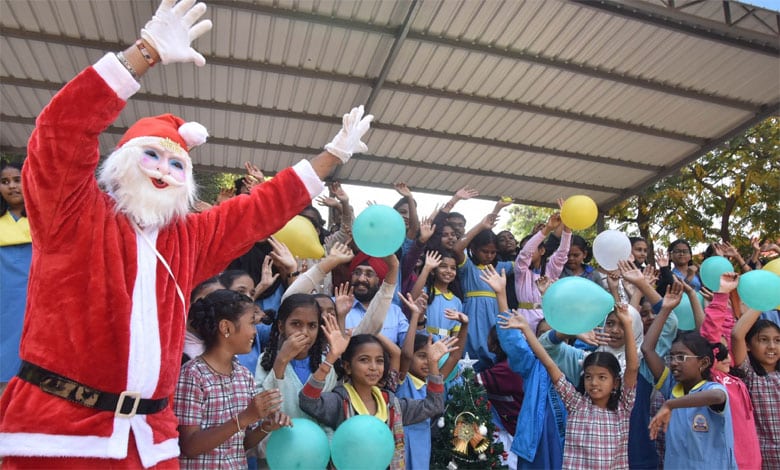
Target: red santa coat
<point>102,310</point>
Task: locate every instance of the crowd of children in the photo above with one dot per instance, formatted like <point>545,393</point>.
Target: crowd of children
<point>271,339</point>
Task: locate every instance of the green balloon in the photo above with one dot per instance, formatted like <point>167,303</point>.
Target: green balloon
<point>362,442</point>
<point>303,446</point>
<point>759,290</point>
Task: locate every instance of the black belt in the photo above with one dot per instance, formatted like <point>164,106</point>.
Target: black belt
<point>126,404</point>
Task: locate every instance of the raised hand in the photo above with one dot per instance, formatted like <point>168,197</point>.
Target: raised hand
<point>341,253</point>
<point>403,189</point>
<point>438,349</point>
<point>347,141</point>
<point>337,340</point>
<point>432,260</point>
<point>553,222</point>
<point>267,276</point>
<point>415,309</point>
<point>489,221</point>
<point>328,202</point>
<point>650,274</point>
<point>496,281</point>
<point>344,299</point>
<point>673,295</point>
<point>427,227</point>
<point>728,282</point>
<point>465,193</point>
<point>662,258</point>
<point>513,320</point>
<point>459,317</point>
<point>254,172</point>
<point>171,32</point>
<point>282,255</point>
<point>338,192</point>
<point>630,272</point>
<point>621,311</point>
<point>543,283</point>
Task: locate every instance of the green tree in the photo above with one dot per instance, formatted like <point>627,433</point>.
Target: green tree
<point>729,194</point>
<point>523,219</point>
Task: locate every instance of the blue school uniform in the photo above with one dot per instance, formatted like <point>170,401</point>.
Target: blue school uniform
<point>417,437</point>
<point>482,309</point>
<point>15,257</point>
<point>541,423</point>
<point>697,437</point>
<point>436,324</point>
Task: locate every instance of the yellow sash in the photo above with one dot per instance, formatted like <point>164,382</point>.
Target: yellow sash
<point>360,407</point>
<point>14,232</point>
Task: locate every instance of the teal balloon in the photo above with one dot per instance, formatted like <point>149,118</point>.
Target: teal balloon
<point>759,289</point>
<point>303,446</point>
<point>574,305</point>
<point>711,270</point>
<point>362,442</point>
<point>379,231</point>
<point>684,312</point>
<point>454,373</point>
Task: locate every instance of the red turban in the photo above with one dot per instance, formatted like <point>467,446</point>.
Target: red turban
<point>378,264</point>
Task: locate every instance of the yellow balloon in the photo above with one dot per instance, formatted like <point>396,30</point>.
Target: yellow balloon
<point>579,212</point>
<point>773,266</point>
<point>301,238</point>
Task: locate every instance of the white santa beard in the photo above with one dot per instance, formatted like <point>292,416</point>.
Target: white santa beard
<point>135,195</point>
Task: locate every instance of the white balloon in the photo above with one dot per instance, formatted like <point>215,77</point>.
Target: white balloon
<point>609,247</point>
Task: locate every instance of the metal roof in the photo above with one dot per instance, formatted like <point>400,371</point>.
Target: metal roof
<point>533,99</point>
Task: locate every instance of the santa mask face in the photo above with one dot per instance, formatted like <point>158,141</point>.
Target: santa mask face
<point>151,182</point>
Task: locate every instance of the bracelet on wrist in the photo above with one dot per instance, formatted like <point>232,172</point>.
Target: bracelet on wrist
<point>293,274</point>
<point>126,63</point>
<point>325,362</point>
<point>238,424</point>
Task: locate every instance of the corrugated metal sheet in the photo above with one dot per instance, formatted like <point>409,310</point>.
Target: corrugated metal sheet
<point>537,99</point>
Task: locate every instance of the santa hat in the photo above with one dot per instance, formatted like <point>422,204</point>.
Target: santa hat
<point>170,128</point>
<point>378,264</point>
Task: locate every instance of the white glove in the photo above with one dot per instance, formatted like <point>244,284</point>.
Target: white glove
<point>171,31</point>
<point>347,141</point>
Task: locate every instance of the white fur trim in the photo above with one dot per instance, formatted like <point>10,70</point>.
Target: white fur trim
<point>114,447</point>
<point>116,76</point>
<point>309,177</point>
<point>143,367</point>
<point>193,133</point>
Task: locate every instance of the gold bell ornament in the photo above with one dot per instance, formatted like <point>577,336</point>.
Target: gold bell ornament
<point>469,433</point>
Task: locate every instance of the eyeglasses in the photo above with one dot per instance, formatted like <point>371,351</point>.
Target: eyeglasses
<point>681,252</point>
<point>368,274</point>
<point>670,358</point>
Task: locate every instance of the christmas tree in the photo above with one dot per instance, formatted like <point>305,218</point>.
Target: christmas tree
<point>463,436</point>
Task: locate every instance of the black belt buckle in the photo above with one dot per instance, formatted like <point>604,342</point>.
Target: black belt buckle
<point>136,396</point>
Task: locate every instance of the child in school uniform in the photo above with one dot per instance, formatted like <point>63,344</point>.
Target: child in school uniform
<point>362,364</point>
<point>696,416</point>
<point>412,384</point>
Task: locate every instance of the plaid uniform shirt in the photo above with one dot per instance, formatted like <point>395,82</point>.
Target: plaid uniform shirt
<point>596,438</point>
<point>207,399</point>
<point>765,393</point>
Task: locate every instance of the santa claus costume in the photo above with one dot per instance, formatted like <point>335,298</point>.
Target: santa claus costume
<point>109,281</point>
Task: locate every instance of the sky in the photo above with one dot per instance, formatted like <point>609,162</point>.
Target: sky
<point>768,4</point>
